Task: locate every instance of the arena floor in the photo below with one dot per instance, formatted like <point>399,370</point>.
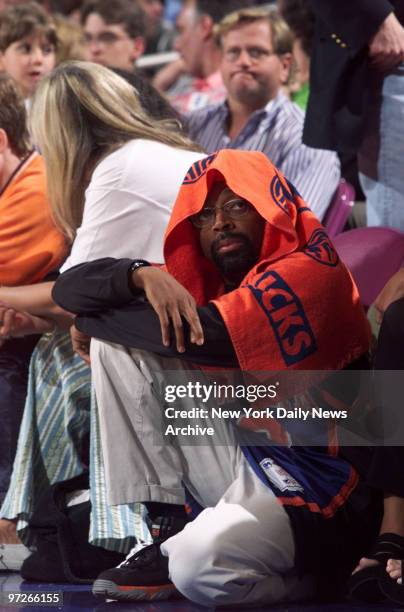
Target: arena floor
<point>78,598</point>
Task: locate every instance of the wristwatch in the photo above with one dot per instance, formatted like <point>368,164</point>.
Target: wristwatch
<point>135,265</point>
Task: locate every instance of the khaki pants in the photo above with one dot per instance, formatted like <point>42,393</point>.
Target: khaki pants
<point>240,549</point>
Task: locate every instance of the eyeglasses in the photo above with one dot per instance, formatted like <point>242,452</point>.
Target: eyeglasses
<point>105,38</point>
<point>256,54</point>
<point>233,208</point>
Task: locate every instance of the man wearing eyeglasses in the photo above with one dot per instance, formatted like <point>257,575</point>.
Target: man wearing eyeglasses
<point>113,32</point>
<point>251,282</point>
<point>256,46</point>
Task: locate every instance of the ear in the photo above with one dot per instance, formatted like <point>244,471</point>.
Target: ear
<point>286,62</point>
<point>139,45</point>
<point>206,25</point>
<point>3,141</point>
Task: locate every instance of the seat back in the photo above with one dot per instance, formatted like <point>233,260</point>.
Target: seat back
<point>372,255</point>
<point>339,209</point>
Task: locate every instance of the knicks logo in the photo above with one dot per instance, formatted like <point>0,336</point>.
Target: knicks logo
<point>286,316</point>
<point>198,169</point>
<point>320,248</point>
<point>280,195</point>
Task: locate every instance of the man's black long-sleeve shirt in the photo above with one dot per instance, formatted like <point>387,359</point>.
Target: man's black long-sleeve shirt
<point>99,294</point>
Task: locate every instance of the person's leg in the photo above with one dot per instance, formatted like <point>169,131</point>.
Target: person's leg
<point>14,363</point>
<point>53,439</point>
<point>244,545</point>
<point>118,528</point>
<point>240,552</point>
<point>141,463</point>
<point>384,464</point>
<point>139,466</point>
<point>380,161</point>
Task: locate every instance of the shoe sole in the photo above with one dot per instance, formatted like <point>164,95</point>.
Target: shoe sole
<point>110,590</point>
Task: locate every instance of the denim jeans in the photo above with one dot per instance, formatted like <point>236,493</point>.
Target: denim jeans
<point>381,159</point>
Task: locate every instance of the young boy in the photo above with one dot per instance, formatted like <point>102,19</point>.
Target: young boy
<point>28,43</point>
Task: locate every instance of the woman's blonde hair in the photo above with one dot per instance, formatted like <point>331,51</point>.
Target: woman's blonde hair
<point>81,112</point>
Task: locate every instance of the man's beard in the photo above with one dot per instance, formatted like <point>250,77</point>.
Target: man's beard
<point>234,265</point>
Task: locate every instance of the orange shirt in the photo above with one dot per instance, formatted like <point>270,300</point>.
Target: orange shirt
<point>30,244</point>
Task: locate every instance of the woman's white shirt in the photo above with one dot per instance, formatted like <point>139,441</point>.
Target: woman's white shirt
<point>128,202</point>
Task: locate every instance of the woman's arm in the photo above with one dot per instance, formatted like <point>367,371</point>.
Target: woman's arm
<point>36,300</point>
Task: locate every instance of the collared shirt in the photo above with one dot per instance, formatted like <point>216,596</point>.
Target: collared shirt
<point>199,94</point>
<point>276,130</point>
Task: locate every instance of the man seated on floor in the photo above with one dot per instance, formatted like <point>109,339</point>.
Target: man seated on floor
<point>256,58</point>
<point>258,285</point>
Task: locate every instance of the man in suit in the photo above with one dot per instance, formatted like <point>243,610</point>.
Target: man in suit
<point>357,96</point>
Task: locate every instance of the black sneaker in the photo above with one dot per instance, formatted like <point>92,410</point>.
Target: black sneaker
<point>143,576</point>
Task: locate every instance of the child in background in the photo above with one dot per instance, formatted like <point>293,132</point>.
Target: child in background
<point>28,43</point>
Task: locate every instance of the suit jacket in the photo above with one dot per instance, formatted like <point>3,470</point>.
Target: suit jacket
<point>340,77</point>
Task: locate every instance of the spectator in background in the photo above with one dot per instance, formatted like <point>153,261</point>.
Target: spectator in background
<point>359,53</point>
<point>65,8</point>
<point>70,40</point>
<point>113,32</point>
<point>257,47</point>
<point>28,43</point>
<point>159,34</point>
<point>200,55</point>
<point>30,248</point>
<point>300,20</point>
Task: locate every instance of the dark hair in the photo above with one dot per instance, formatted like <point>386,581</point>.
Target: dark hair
<point>13,118</point>
<point>123,12</point>
<point>23,20</point>
<point>217,9</point>
<point>64,7</point>
<point>151,100</point>
<point>300,19</point>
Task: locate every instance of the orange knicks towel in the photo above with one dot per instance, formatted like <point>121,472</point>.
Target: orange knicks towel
<point>298,308</point>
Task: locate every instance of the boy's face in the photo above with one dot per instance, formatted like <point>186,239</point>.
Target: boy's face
<point>27,61</point>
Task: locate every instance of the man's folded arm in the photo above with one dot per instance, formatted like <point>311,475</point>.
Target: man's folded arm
<point>99,293</point>
<point>94,286</point>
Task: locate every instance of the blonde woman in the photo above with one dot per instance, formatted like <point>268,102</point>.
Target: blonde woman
<point>113,175</point>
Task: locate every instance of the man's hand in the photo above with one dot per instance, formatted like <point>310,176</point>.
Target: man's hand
<point>15,324</point>
<point>81,344</point>
<point>393,291</point>
<point>386,49</point>
<point>171,301</point>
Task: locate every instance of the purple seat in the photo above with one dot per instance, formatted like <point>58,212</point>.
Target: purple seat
<point>373,255</point>
<point>339,209</point>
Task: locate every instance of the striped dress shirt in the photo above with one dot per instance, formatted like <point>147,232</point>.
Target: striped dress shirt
<point>276,130</point>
